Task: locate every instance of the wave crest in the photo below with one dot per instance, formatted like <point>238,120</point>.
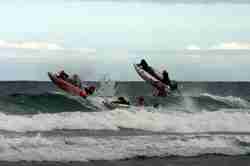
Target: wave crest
<point>205,121</point>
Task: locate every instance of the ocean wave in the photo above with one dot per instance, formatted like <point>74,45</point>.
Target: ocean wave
<point>136,118</point>
<point>57,102</point>
<point>235,102</point>
<point>59,148</point>
<point>45,103</point>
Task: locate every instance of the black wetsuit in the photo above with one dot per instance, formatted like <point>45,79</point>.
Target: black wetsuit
<point>63,75</point>
<point>166,79</point>
<point>174,85</point>
<point>89,92</point>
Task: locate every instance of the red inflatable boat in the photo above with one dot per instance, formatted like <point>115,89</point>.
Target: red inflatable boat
<point>66,86</point>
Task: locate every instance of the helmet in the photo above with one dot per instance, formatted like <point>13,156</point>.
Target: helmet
<point>121,98</point>
<point>92,88</point>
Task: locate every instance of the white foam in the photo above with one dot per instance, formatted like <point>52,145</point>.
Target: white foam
<point>234,101</point>
<point>188,104</point>
<point>116,147</point>
<point>47,122</point>
<point>169,121</point>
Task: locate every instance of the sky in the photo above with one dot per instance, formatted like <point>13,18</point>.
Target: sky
<point>195,40</point>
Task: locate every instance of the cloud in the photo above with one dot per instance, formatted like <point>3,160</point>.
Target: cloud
<point>194,56</point>
<point>45,53</point>
<point>232,46</point>
<point>87,50</point>
<point>223,46</point>
<point>38,45</point>
<point>30,45</point>
<point>193,47</point>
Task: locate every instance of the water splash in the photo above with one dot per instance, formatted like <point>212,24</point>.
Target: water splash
<point>107,87</point>
<point>230,100</point>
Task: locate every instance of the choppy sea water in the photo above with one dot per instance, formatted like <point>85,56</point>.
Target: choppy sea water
<point>40,123</point>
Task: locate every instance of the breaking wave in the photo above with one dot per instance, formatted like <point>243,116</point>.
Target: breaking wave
<point>40,148</point>
<point>62,102</point>
<point>136,118</point>
<point>229,100</point>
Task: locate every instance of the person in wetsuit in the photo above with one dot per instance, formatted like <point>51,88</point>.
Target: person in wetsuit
<point>160,92</point>
<point>90,90</point>
<point>75,80</point>
<point>172,84</point>
<point>166,79</point>
<point>143,64</point>
<point>140,101</point>
<point>63,75</point>
<point>121,100</point>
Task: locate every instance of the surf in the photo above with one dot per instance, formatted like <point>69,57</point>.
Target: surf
<point>141,119</point>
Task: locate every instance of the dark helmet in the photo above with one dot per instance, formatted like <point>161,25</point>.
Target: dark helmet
<point>121,98</point>
<point>144,63</point>
<point>156,105</point>
<point>92,89</point>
